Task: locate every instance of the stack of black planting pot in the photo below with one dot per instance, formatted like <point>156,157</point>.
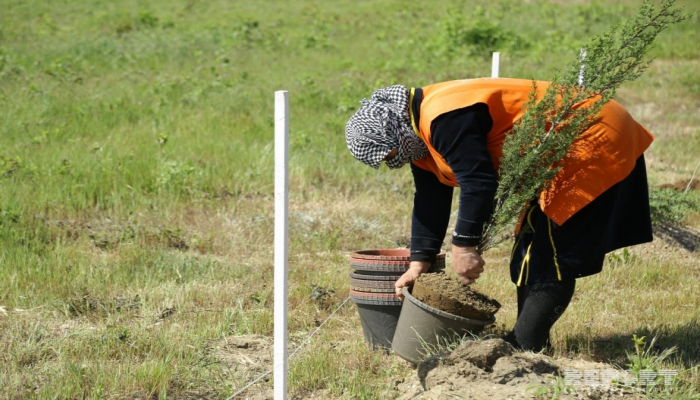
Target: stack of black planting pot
<point>372,289</point>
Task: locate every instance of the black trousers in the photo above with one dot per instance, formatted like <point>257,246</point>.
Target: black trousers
<point>548,258</point>
<point>547,252</point>
<point>539,306</point>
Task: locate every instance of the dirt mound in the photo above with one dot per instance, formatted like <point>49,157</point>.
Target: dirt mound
<point>444,293</point>
<point>491,369</point>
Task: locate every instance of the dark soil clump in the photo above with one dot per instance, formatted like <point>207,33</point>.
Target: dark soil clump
<point>444,293</point>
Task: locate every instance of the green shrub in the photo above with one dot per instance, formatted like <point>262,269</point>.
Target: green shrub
<point>671,206</point>
<point>478,34</point>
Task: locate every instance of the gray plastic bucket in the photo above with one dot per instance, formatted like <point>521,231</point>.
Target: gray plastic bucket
<point>422,328</point>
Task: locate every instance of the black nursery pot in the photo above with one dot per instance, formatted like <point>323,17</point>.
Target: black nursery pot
<point>371,288</point>
<point>379,319</point>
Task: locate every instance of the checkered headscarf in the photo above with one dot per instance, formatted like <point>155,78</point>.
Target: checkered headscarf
<point>381,125</point>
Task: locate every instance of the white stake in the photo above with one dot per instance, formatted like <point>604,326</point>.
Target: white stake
<point>494,64</point>
<point>281,194</point>
<point>581,75</point>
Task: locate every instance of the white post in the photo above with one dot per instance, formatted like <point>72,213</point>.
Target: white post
<point>581,72</point>
<point>494,64</point>
<point>281,193</point>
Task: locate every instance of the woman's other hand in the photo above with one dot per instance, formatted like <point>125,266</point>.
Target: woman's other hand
<point>467,263</point>
<point>409,277</point>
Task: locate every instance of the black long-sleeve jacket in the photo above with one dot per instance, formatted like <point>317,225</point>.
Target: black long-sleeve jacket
<point>460,137</point>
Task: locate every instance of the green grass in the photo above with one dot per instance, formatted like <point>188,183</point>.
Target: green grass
<point>136,177</point>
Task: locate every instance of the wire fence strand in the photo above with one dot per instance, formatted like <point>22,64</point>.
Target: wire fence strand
<point>256,380</point>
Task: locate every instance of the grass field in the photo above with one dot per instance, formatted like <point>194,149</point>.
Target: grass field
<point>136,185</point>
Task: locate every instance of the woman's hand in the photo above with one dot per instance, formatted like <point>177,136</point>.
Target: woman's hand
<point>409,277</point>
<point>467,263</point>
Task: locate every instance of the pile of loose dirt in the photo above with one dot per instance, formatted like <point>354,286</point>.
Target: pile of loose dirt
<point>491,369</point>
<point>444,293</point>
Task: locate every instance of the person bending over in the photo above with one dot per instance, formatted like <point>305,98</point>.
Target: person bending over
<point>452,133</point>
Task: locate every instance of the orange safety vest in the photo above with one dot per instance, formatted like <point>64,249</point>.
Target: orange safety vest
<point>601,157</point>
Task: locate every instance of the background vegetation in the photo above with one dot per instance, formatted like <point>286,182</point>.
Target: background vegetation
<point>136,184</point>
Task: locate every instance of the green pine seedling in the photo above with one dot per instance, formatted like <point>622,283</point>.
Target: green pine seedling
<point>570,105</point>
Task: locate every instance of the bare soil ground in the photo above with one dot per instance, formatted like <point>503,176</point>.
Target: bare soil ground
<point>479,370</point>
<point>248,357</point>
<point>682,185</point>
<point>490,369</point>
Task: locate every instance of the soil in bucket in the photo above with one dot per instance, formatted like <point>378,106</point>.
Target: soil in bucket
<point>423,329</point>
<point>445,293</point>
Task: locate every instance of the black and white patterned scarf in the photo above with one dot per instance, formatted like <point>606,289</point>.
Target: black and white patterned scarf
<point>381,125</point>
